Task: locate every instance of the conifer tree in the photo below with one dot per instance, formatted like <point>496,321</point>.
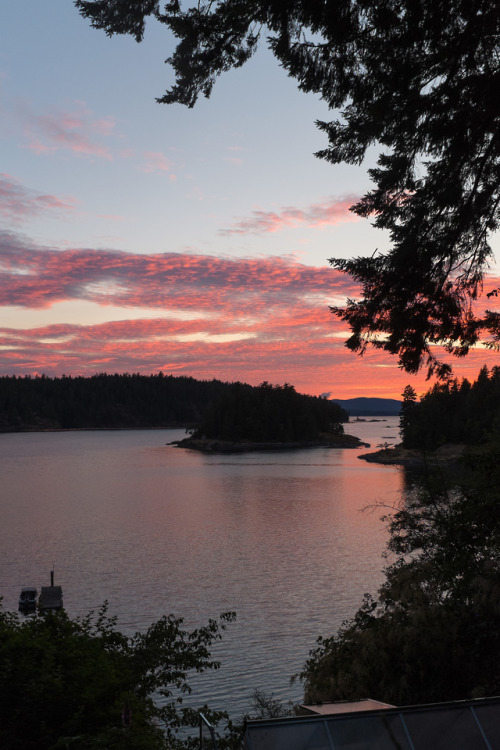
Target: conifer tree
<point>417,79</point>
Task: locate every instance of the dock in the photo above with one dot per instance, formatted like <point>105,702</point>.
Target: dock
<point>50,596</point>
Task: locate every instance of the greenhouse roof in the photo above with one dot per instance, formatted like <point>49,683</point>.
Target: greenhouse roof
<point>467,725</point>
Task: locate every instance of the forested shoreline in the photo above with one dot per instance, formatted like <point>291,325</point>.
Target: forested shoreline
<point>452,412</point>
<point>432,631</point>
<point>133,401</point>
<point>103,401</point>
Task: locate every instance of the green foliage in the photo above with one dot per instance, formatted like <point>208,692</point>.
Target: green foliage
<point>454,412</point>
<point>270,413</point>
<point>433,633</point>
<point>417,79</point>
<point>71,683</point>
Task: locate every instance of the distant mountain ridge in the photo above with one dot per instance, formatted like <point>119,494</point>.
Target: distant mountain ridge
<point>370,407</point>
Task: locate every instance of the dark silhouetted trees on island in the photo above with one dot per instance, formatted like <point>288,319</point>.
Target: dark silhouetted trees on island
<point>140,401</point>
<point>270,413</point>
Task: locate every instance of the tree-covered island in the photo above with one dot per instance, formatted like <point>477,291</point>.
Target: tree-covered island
<point>233,414</point>
<point>103,401</point>
<point>269,417</point>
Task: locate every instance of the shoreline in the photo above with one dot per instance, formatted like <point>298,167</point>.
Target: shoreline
<point>213,445</point>
<point>412,458</point>
<point>88,429</point>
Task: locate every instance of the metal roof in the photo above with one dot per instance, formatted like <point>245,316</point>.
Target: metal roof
<point>461,725</point>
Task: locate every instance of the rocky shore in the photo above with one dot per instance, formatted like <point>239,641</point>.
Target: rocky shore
<point>446,455</point>
<point>212,445</point>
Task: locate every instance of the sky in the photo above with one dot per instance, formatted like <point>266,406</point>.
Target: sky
<point>139,237</point>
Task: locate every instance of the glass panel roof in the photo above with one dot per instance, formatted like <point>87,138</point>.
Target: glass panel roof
<point>294,736</point>
<point>455,728</point>
<point>377,732</point>
<point>464,725</point>
<point>489,718</point>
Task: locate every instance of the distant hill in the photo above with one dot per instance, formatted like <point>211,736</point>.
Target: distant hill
<point>370,407</point>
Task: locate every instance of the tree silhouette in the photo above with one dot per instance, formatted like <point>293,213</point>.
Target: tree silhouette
<point>417,79</point>
<point>81,683</point>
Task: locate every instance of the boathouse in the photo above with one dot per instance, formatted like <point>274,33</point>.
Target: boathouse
<point>50,596</point>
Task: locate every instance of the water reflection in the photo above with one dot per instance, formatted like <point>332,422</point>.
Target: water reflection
<point>280,538</point>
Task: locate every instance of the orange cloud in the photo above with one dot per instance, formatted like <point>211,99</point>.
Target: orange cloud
<point>234,319</point>
<point>311,360</point>
<point>331,211</point>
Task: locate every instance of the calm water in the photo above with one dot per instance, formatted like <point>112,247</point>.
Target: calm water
<point>282,539</point>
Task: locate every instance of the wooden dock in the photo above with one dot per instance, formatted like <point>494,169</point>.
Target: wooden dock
<point>50,596</point>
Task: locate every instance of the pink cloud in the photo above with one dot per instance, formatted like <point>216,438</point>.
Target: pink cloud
<point>105,126</point>
<point>18,202</point>
<point>309,359</point>
<point>248,319</point>
<point>155,161</point>
<point>166,280</point>
<point>332,211</point>
<point>113,217</point>
<point>76,131</point>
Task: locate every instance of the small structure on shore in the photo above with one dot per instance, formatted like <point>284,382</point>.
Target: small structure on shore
<point>50,596</point>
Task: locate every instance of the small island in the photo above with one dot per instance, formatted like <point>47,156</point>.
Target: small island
<point>269,418</point>
<point>210,445</point>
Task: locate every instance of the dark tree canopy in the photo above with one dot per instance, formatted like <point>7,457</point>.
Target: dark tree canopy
<point>433,631</point>
<point>113,401</point>
<point>82,684</point>
<point>419,79</point>
<point>162,401</point>
<point>270,413</point>
<point>454,412</point>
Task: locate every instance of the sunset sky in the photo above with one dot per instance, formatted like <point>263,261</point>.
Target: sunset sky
<point>139,237</point>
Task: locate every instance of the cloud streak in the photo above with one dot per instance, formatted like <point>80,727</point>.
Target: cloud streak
<point>18,203</point>
<point>250,319</point>
<point>247,319</point>
<point>156,162</point>
<point>74,130</point>
<point>169,280</point>
<point>325,213</point>
<point>306,357</point>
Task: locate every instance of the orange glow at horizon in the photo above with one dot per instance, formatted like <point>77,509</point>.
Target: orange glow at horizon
<point>247,319</point>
